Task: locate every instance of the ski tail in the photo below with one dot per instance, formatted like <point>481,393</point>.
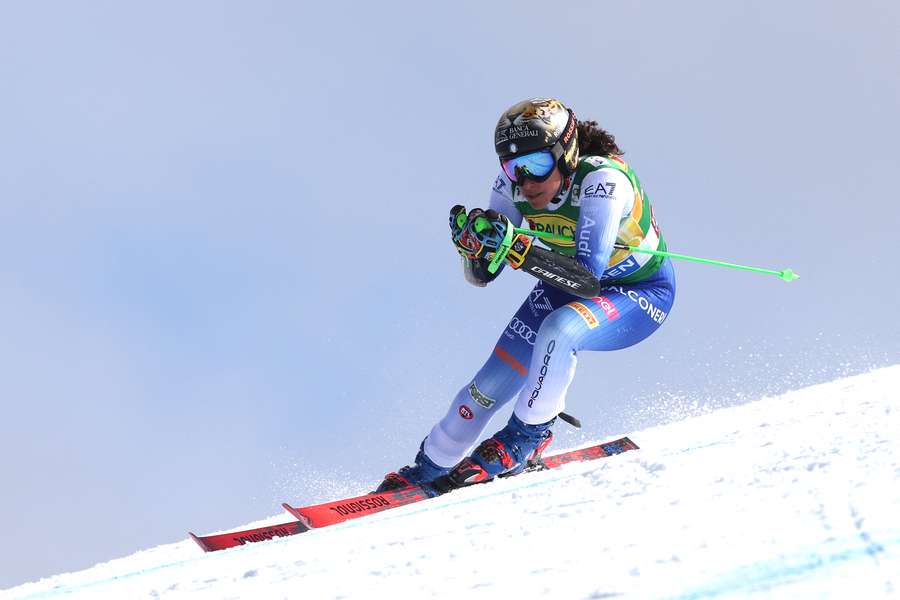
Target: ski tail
<point>591,453</point>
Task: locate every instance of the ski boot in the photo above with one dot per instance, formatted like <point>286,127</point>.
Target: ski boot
<point>421,471</point>
<point>509,452</point>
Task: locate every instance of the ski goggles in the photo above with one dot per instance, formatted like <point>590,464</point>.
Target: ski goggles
<point>534,165</point>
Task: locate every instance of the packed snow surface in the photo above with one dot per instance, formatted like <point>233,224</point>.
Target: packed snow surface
<point>795,496</point>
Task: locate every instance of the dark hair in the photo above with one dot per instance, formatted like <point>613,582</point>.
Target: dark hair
<point>594,141</point>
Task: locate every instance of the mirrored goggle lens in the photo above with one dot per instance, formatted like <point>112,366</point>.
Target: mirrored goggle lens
<point>536,165</point>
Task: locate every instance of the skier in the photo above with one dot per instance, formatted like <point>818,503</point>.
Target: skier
<point>565,178</point>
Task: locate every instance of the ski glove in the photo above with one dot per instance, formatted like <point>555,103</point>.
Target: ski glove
<point>473,237</point>
<point>476,237</point>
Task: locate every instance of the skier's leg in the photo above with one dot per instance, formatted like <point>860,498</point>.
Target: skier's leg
<point>496,383</point>
<point>620,317</point>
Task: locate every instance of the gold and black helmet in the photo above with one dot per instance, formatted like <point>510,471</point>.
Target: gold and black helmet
<point>537,124</point>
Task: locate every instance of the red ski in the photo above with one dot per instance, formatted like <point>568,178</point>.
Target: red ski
<point>221,541</point>
<point>591,453</point>
<point>338,511</point>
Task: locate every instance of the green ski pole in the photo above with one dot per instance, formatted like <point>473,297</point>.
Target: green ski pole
<point>785,274</point>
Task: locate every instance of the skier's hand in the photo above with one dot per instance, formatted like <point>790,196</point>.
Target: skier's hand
<point>478,233</point>
<point>457,226</point>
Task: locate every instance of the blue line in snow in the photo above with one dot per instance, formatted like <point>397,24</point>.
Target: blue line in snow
<point>764,575</point>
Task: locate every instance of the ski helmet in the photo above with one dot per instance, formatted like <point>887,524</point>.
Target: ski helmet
<point>537,124</point>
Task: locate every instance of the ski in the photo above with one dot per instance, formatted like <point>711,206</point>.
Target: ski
<point>339,511</point>
<point>221,541</point>
<point>590,453</point>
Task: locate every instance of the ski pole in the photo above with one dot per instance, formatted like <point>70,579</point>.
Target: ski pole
<point>785,274</point>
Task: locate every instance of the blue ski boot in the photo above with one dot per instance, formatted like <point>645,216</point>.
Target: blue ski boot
<point>508,452</point>
<point>421,471</point>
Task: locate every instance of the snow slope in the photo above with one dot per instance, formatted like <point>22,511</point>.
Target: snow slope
<point>795,496</point>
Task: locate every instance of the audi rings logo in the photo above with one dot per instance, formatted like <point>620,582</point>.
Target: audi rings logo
<point>522,330</point>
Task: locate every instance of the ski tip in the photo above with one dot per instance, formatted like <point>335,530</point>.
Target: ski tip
<point>199,541</point>
<point>303,519</point>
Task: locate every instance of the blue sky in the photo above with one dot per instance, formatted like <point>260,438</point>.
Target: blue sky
<point>225,273</point>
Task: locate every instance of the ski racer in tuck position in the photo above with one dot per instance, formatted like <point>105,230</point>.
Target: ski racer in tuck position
<point>565,178</point>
